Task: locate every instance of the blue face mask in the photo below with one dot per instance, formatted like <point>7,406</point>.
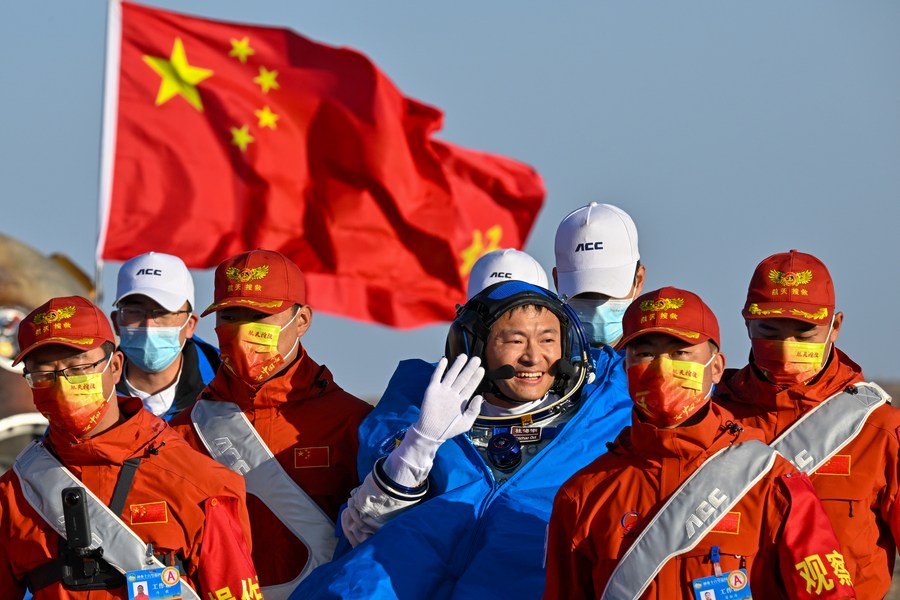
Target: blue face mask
<point>151,349</point>
<point>602,322</point>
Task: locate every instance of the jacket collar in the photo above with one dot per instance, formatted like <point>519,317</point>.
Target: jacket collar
<point>115,445</point>
<point>191,382</point>
<point>748,385</point>
<point>301,379</point>
<point>705,437</point>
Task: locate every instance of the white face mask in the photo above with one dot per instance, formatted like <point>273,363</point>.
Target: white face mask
<point>602,320</point>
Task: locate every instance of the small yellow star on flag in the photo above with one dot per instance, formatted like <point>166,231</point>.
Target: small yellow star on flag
<point>266,117</point>
<point>179,78</point>
<point>266,80</point>
<point>241,137</point>
<point>479,247</point>
<point>241,49</point>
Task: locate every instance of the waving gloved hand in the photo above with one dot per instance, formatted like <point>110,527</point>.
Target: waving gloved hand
<point>446,409</point>
<point>446,412</point>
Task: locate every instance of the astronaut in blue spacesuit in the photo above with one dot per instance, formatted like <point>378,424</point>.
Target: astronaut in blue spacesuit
<point>460,465</point>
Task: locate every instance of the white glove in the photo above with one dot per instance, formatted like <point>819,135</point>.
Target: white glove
<point>446,412</point>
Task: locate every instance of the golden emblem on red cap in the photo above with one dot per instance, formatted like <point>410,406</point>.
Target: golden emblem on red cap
<point>790,278</point>
<point>237,275</point>
<point>52,316</point>
<point>818,315</point>
<point>754,309</point>
<point>659,304</point>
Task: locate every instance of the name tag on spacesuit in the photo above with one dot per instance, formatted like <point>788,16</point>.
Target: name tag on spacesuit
<point>526,434</point>
<point>729,586</point>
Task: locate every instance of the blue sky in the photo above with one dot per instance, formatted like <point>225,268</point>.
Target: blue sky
<point>728,130</point>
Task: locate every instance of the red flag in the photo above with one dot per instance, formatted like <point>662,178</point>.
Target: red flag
<point>225,137</point>
<point>810,544</point>
<point>225,569</point>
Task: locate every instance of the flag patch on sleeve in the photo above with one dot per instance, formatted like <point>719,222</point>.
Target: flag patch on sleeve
<point>316,456</point>
<point>839,464</point>
<point>151,512</point>
<point>730,523</point>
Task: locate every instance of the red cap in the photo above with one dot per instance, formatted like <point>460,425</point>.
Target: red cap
<point>263,280</point>
<point>70,321</point>
<point>672,311</point>
<point>791,285</point>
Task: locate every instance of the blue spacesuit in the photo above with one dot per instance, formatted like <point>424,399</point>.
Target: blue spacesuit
<point>479,532</point>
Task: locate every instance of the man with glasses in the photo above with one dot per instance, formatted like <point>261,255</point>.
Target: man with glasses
<point>156,507</point>
<point>165,366</point>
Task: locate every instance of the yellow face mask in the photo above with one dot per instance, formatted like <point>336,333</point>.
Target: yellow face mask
<point>250,349</point>
<point>665,391</point>
<point>75,404</point>
<point>788,363</point>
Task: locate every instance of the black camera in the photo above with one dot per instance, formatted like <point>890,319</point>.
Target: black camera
<point>83,568</point>
<point>78,523</point>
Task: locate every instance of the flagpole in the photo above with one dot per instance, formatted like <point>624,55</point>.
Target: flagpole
<point>108,132</point>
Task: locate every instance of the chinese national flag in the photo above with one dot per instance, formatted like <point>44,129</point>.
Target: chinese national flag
<point>224,137</point>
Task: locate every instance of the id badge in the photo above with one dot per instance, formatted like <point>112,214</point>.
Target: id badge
<point>155,584</point>
<point>730,586</point>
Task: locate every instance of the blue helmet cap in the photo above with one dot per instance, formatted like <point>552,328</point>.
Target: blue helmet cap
<point>469,331</point>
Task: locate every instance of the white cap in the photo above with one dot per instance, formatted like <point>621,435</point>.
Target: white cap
<point>596,251</point>
<point>161,277</point>
<point>504,265</point>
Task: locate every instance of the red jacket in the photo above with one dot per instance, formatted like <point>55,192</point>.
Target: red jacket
<point>599,512</point>
<point>166,506</point>
<point>859,485</point>
<point>310,425</point>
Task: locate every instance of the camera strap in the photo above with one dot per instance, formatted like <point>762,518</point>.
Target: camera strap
<point>123,485</point>
<point>53,571</point>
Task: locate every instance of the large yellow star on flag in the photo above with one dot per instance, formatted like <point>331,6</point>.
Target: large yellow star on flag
<point>266,117</point>
<point>179,78</point>
<point>241,49</point>
<point>479,246</point>
<point>241,137</point>
<point>267,80</point>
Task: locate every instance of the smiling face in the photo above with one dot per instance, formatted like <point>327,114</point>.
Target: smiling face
<point>528,338</point>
